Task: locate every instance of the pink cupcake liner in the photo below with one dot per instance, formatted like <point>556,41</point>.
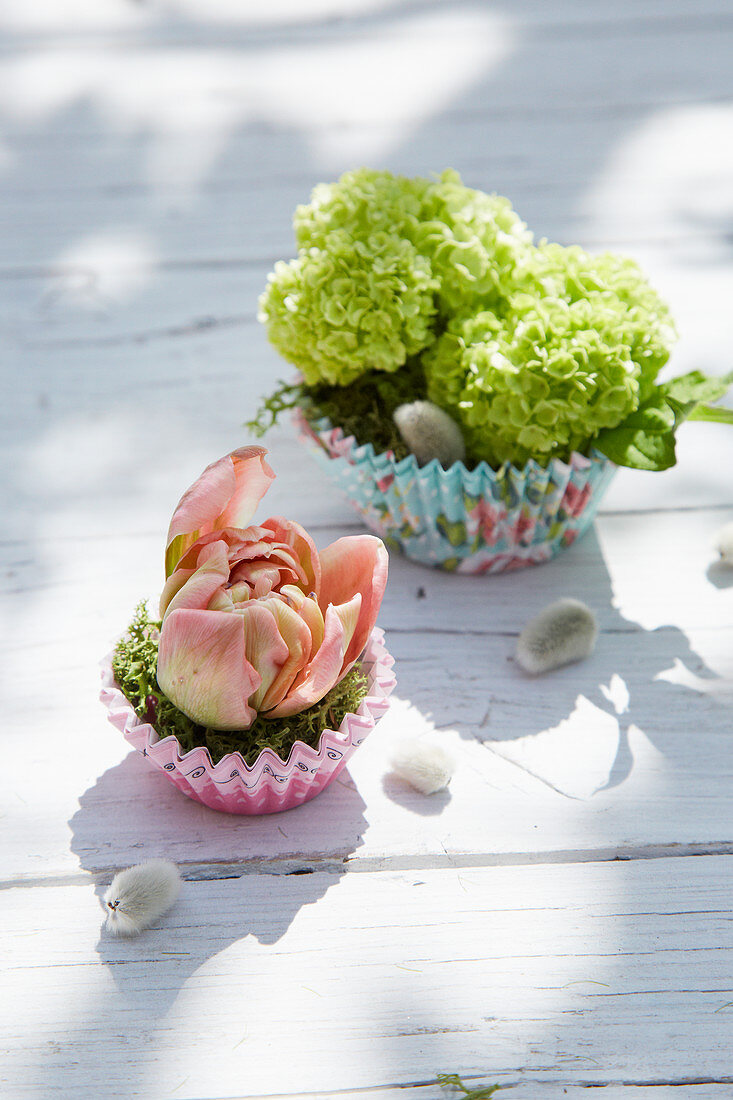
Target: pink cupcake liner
<point>270,784</point>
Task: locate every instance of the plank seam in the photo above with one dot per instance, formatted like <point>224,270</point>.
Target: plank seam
<point>679,1082</point>
<point>330,32</point>
<point>215,870</point>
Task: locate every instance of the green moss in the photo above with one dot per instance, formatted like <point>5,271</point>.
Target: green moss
<point>364,409</point>
<point>287,395</point>
<point>134,665</point>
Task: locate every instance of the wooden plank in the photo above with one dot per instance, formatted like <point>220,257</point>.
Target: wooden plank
<point>585,785</point>
<point>86,17</point>
<point>113,294</point>
<point>529,1090</point>
<point>651,572</point>
<point>618,974</point>
<point>232,219</point>
<point>542,115</point>
<point>325,18</point>
<point>626,752</point>
<point>132,405</point>
<point>527,927</point>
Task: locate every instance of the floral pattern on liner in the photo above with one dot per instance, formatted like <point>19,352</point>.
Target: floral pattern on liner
<point>270,784</point>
<point>467,521</point>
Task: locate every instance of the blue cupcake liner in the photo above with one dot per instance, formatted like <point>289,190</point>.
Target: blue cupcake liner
<point>466,521</point>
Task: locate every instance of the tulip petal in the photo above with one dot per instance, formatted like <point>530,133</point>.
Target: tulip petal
<point>252,476</point>
<point>309,611</point>
<point>323,671</point>
<point>273,554</point>
<point>355,563</point>
<point>202,668</point>
<point>201,587</point>
<point>259,577</point>
<point>225,495</point>
<point>173,585</point>
<point>221,601</point>
<point>297,638</point>
<point>348,613</point>
<point>238,541</point>
<point>293,535</point>
<point>239,593</point>
<point>264,646</point>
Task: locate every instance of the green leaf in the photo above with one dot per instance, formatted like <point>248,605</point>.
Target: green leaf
<point>719,414</point>
<point>653,418</point>
<point>646,439</point>
<point>455,1083</point>
<point>174,553</point>
<point>697,387</point>
<point>638,449</point>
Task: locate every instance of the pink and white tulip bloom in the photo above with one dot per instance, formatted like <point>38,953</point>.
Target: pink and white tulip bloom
<point>255,620</point>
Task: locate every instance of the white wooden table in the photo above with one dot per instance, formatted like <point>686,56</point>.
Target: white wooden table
<point>561,919</point>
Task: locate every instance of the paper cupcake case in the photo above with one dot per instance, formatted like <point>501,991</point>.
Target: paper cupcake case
<point>270,784</point>
<point>467,521</point>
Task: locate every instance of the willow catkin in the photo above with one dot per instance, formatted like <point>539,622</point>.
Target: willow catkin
<point>430,433</point>
<point>425,766</point>
<point>565,631</point>
<point>724,543</point>
<point>139,895</point>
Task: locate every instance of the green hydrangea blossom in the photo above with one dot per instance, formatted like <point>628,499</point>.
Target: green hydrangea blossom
<point>619,292</point>
<point>355,306</point>
<point>575,349</point>
<point>475,242</point>
<point>364,203</point>
<point>382,261</point>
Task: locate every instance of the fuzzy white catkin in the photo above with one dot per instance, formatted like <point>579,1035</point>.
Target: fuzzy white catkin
<point>425,766</point>
<point>565,631</point>
<point>724,543</point>
<point>141,894</point>
<point>430,433</point>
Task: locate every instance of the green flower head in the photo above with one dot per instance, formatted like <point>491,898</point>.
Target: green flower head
<point>475,242</point>
<point>363,203</point>
<point>576,347</point>
<point>338,312</point>
<point>382,260</point>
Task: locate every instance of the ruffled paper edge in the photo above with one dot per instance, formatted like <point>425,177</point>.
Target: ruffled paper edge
<point>412,506</point>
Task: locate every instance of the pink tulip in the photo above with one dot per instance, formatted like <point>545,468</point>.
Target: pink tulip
<point>255,620</point>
